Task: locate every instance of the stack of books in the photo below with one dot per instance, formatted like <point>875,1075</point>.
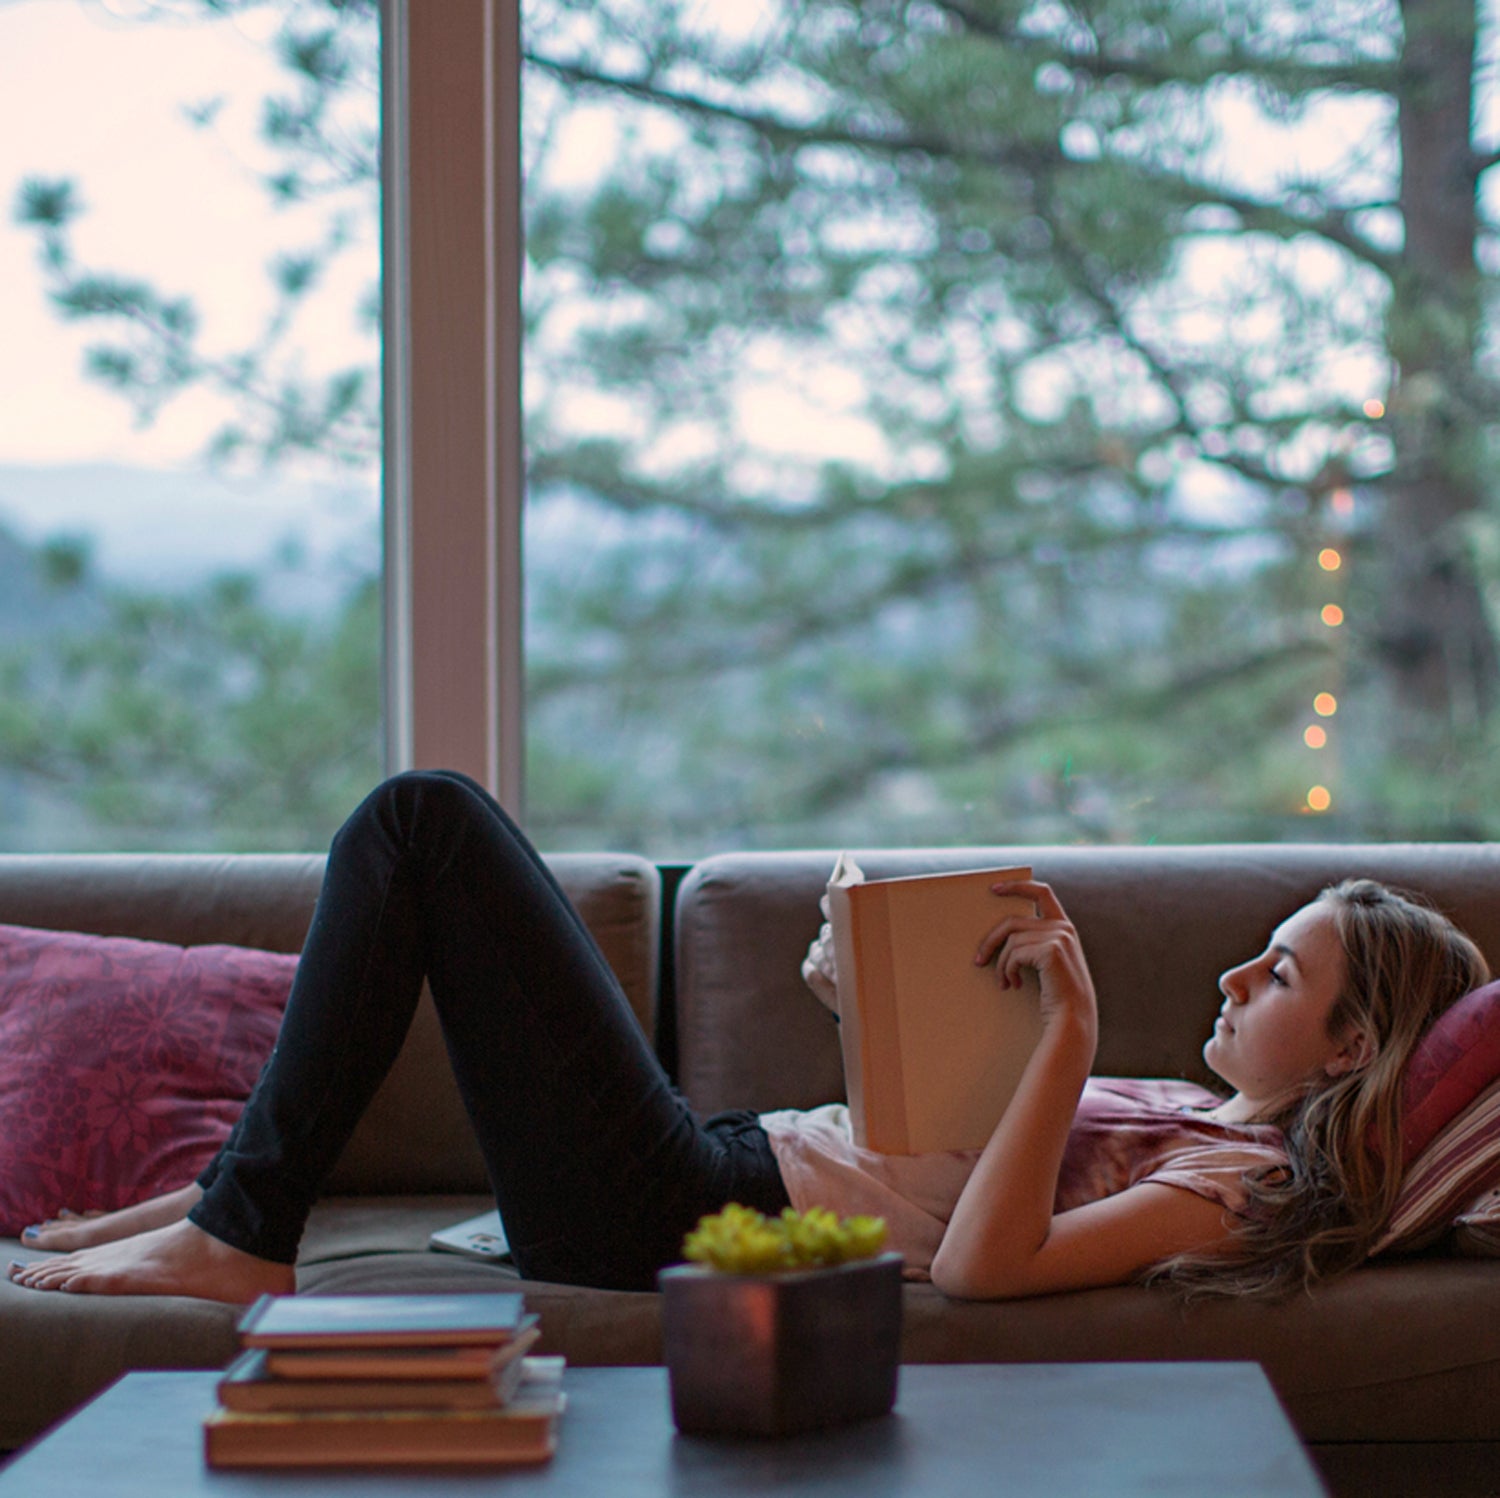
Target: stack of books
<point>386,1380</point>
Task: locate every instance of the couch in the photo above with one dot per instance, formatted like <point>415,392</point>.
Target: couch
<point>1404,1354</point>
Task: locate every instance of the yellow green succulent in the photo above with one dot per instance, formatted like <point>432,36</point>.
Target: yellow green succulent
<point>740,1240</point>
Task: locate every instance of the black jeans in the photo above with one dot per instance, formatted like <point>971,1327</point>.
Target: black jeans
<point>597,1164</point>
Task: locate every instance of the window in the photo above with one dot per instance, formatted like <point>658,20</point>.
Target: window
<point>975,421</point>
<point>190,454</point>
<point>944,422</point>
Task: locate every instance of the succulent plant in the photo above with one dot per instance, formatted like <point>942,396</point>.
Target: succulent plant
<point>740,1240</point>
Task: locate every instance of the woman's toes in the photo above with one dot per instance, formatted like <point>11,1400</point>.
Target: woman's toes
<point>45,1274</point>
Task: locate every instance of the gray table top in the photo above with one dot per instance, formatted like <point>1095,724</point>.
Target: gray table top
<point>960,1429</point>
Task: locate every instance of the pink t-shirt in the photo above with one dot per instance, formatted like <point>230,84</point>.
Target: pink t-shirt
<point>1126,1131</point>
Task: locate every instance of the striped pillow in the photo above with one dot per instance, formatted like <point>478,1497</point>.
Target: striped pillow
<point>1476,1230</point>
<point>1460,1164</point>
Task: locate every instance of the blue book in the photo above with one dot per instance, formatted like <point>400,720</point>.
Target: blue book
<point>381,1320</point>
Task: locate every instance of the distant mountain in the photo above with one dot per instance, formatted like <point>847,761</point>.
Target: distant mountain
<point>170,529</point>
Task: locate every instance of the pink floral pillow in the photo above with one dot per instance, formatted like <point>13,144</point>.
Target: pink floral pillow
<point>123,1064</point>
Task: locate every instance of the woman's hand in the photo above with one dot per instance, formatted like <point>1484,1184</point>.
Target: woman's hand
<point>819,971</point>
<point>1047,943</point>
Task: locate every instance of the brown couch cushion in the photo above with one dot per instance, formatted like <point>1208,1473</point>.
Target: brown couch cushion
<point>1158,924</point>
<point>416,1136</point>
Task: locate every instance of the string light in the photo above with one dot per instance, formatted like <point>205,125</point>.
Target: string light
<point>1331,564</point>
<point>1374,409</point>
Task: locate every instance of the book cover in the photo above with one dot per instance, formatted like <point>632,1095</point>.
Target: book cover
<point>381,1320</point>
<point>522,1431</point>
<point>403,1364</point>
<point>251,1384</point>
<point>933,1046</point>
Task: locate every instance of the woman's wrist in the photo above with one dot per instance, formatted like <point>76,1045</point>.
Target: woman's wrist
<point>1071,1035</point>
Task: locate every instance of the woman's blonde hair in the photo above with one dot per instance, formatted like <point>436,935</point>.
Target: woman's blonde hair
<point>1404,964</point>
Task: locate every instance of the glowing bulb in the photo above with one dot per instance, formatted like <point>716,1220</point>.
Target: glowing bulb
<point>1342,501</point>
<point>1374,409</point>
<point>1332,615</point>
<point>1318,798</point>
<point>1314,737</point>
<point>1329,560</point>
<point>1325,704</point>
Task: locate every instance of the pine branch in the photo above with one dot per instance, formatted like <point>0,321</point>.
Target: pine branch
<point>1097,701</point>
<point>1304,76</point>
<point>789,625</point>
<point>1335,226</point>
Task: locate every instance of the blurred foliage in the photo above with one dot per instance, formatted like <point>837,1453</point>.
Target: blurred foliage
<point>195,719</point>
<point>948,403</point>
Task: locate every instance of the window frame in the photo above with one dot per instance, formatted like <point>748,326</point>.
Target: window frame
<point>454,470</point>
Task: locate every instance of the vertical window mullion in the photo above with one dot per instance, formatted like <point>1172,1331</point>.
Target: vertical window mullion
<point>453,488</point>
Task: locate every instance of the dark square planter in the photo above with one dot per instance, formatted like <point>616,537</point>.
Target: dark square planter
<point>777,1353</point>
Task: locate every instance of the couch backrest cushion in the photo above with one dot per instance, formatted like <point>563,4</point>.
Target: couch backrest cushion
<point>1159,925</point>
<point>415,1137</point>
<point>245,899</point>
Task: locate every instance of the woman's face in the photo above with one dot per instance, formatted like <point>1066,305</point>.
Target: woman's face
<point>1271,1037</point>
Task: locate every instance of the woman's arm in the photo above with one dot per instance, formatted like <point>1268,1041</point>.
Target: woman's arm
<point>1003,1239</point>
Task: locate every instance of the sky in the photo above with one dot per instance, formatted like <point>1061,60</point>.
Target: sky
<point>178,206</point>
<point>182,208</point>
<point>90,90</point>
<point>110,120</point>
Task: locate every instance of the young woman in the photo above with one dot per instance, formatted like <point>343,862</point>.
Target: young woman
<point>599,1167</point>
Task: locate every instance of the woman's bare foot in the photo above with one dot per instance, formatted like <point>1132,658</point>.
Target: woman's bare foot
<point>177,1259</point>
<point>69,1231</point>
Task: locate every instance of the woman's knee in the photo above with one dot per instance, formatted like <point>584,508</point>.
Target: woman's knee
<point>411,791</point>
<point>397,807</point>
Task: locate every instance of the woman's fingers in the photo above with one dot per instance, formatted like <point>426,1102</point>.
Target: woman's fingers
<point>1031,951</point>
<point>1049,912</point>
<point>1048,906</point>
<point>1046,942</point>
<point>1008,930</point>
<point>1023,942</point>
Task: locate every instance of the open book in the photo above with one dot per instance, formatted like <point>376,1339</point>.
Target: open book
<point>481,1237</point>
<point>933,1046</point>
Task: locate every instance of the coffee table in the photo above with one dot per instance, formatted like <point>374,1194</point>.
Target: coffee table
<point>958,1429</point>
